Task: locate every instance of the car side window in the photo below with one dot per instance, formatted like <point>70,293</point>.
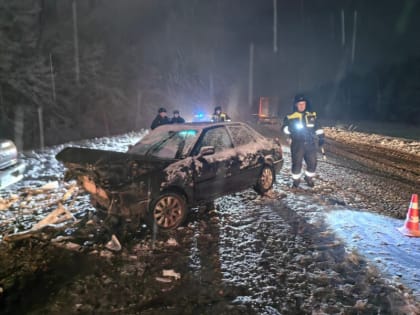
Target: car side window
<point>218,138</point>
<point>241,135</point>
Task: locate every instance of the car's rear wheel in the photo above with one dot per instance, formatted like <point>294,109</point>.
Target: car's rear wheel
<point>168,211</point>
<point>265,180</point>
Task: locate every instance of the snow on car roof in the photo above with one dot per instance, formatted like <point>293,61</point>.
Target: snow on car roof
<point>199,126</point>
<point>193,125</point>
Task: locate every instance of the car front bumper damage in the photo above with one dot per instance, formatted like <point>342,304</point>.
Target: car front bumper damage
<point>123,203</point>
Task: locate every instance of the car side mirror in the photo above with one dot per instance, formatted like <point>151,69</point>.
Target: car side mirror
<point>207,150</point>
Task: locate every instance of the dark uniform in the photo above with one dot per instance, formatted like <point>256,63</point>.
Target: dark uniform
<point>160,119</point>
<point>219,116</point>
<point>176,119</point>
<point>303,128</point>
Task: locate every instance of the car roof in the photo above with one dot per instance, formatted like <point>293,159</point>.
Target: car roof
<point>195,125</point>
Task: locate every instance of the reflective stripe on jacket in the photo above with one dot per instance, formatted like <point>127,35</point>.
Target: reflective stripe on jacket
<point>302,126</point>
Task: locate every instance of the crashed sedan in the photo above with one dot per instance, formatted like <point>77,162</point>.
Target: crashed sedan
<point>175,168</point>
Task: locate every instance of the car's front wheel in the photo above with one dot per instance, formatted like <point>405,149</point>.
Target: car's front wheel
<point>265,180</point>
<point>168,211</point>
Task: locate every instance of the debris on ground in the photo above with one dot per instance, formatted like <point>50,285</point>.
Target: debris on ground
<point>172,242</point>
<point>171,273</point>
<point>50,186</point>
<point>6,203</point>
<point>163,279</point>
<point>114,244</point>
<point>59,215</point>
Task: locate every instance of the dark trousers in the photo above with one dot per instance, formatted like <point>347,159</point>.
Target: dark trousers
<point>303,151</point>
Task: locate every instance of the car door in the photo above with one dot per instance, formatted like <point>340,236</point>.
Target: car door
<point>214,172</point>
<point>249,154</point>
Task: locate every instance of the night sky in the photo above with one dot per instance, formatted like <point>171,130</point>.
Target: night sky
<point>311,51</point>
<point>309,38</point>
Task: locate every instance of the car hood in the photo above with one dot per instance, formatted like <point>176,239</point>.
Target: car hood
<point>109,168</point>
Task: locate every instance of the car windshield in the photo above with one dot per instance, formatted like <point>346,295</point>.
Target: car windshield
<point>166,144</point>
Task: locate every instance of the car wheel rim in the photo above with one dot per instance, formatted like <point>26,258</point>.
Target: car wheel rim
<point>168,211</point>
<point>266,178</point>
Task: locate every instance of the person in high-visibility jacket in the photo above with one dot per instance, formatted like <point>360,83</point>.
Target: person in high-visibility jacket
<point>303,128</point>
<point>219,116</point>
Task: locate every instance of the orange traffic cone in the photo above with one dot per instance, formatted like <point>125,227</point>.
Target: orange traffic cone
<point>411,225</point>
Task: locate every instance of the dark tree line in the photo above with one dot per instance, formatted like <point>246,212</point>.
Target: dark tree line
<point>389,93</point>
<point>131,58</point>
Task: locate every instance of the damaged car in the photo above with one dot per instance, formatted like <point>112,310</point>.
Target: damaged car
<point>175,168</point>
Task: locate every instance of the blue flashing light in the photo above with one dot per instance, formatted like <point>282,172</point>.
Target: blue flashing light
<point>186,133</point>
<point>200,115</point>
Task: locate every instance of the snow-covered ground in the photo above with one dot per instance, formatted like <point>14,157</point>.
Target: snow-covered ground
<point>400,144</point>
<point>289,251</point>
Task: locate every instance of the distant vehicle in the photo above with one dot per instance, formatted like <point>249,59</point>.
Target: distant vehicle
<point>11,168</point>
<point>267,110</point>
<point>174,168</point>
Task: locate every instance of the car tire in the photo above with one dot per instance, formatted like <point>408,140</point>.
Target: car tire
<point>168,211</point>
<point>265,180</point>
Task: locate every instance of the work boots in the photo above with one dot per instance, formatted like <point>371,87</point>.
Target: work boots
<point>296,183</point>
<point>309,181</point>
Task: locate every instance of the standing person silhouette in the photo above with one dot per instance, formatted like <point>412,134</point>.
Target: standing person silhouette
<point>160,119</point>
<point>176,118</point>
<point>303,128</point>
<point>219,116</point>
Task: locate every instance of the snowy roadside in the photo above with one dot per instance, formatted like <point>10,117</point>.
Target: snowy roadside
<point>362,212</point>
<point>42,190</point>
<point>355,137</point>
